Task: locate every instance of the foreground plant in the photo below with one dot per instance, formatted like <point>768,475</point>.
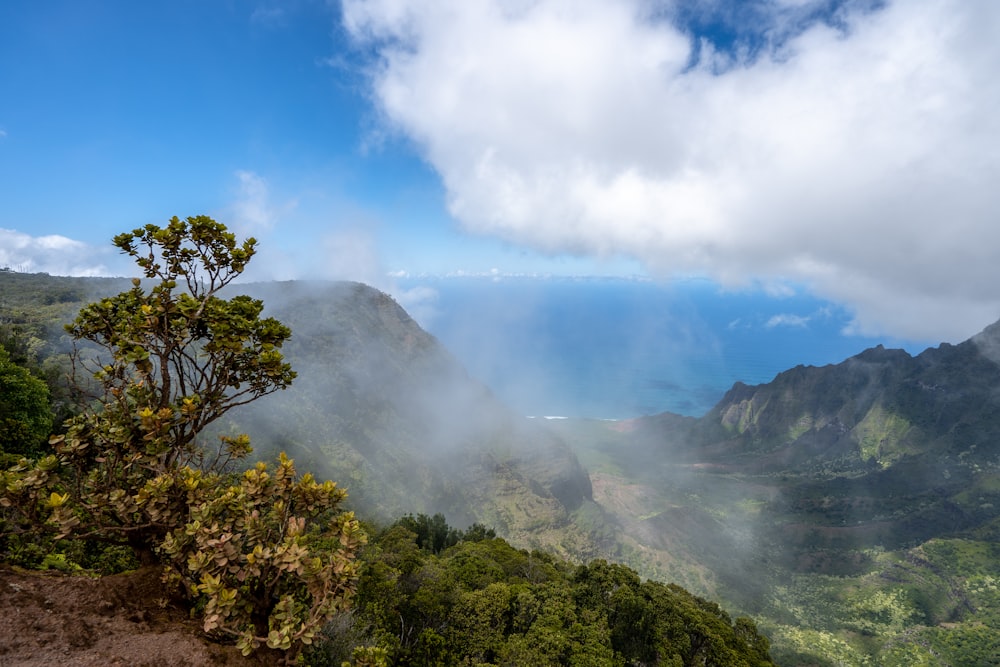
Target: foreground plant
<point>161,367</point>
<point>269,557</point>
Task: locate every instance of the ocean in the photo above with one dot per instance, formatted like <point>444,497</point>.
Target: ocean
<point>620,348</point>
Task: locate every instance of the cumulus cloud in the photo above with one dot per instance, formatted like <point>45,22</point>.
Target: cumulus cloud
<point>53,254</point>
<point>854,152</point>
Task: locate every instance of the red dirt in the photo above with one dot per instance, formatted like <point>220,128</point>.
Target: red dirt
<point>77,621</point>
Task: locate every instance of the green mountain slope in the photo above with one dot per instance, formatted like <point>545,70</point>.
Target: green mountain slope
<point>853,508</point>
<point>380,405</point>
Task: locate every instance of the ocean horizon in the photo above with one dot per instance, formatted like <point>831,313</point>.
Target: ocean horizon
<point>615,348</point>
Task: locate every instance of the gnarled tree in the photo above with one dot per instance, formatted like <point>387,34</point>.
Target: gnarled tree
<point>162,365</point>
<point>268,556</point>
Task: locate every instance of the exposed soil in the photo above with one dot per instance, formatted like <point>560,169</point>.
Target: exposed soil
<point>70,621</point>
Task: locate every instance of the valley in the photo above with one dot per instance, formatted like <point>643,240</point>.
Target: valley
<point>825,592</point>
<point>852,510</point>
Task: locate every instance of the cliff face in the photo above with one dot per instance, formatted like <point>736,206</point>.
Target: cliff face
<point>884,450</point>
<point>380,406</point>
<point>879,407</point>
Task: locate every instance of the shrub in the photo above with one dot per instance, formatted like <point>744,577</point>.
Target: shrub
<point>267,558</point>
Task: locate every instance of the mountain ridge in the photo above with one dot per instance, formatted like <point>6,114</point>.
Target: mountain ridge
<point>880,405</point>
<point>851,508</point>
<point>382,406</point>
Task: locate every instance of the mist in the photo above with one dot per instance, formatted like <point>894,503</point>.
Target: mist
<point>622,348</point>
<point>783,499</point>
<point>383,408</point>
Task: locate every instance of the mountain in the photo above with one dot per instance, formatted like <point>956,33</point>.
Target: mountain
<point>880,407</point>
<point>885,439</point>
<point>380,406</point>
<point>854,508</point>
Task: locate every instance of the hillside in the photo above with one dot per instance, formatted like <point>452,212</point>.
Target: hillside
<point>853,508</point>
<point>381,406</point>
<point>378,405</point>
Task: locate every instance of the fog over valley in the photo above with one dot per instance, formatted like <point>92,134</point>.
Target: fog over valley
<point>480,332</point>
<point>618,348</point>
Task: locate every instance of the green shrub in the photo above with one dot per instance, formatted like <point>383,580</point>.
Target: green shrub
<point>268,559</point>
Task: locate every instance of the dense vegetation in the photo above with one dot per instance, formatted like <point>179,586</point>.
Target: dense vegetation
<point>262,554</point>
<point>430,595</point>
<point>852,510</point>
<point>382,406</point>
<point>25,414</point>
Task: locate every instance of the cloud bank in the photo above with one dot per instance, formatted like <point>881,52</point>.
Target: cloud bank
<point>52,254</point>
<point>848,147</point>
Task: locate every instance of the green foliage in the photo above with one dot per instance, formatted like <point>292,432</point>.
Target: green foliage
<point>934,604</point>
<point>25,415</point>
<point>432,533</point>
<point>33,310</point>
<point>813,515</point>
<point>268,559</point>
<point>58,561</point>
<point>168,364</point>
<point>881,435</point>
<point>485,602</point>
<point>853,507</point>
<point>435,535</point>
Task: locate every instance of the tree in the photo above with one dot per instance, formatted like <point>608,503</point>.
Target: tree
<point>25,416</point>
<point>266,556</point>
<point>433,533</point>
<point>164,365</point>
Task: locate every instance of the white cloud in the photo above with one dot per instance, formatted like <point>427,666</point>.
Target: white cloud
<point>305,233</point>
<point>351,253</point>
<point>787,320</point>
<point>420,302</point>
<point>53,254</point>
<point>859,160</point>
<point>253,212</point>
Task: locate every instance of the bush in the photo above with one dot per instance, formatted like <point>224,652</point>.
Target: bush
<point>268,558</point>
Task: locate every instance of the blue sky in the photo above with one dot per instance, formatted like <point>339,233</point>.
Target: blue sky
<point>848,150</point>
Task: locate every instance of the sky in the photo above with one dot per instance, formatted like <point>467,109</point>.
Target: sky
<point>848,150</point>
